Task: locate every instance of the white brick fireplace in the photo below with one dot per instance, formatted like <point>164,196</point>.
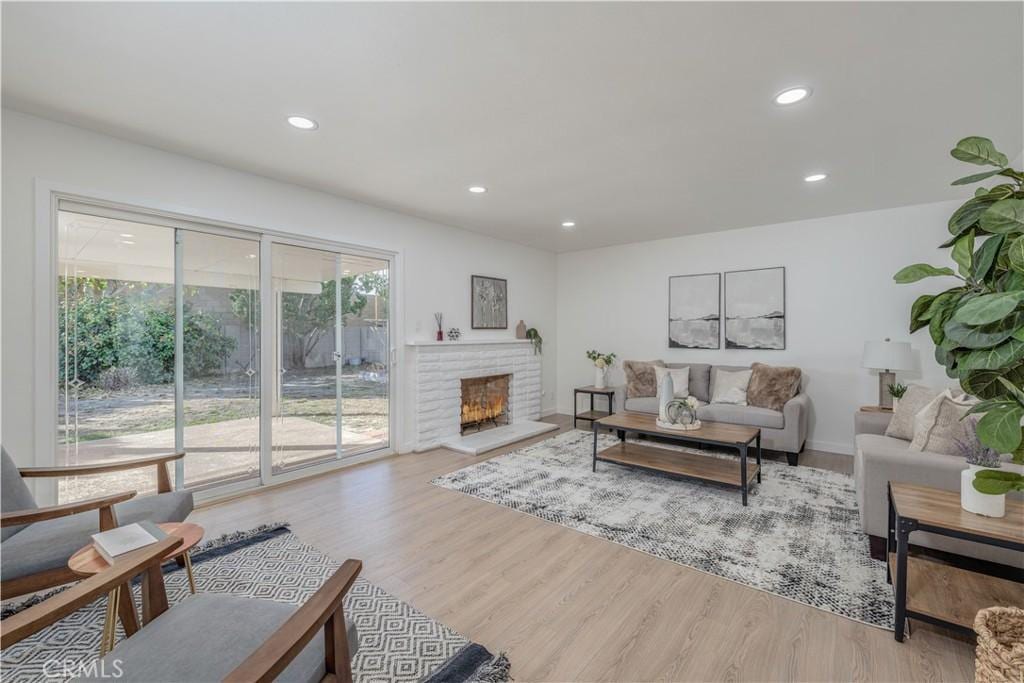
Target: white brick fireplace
<point>439,369</point>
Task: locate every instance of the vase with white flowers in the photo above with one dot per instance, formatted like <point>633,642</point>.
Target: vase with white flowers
<point>601,361</point>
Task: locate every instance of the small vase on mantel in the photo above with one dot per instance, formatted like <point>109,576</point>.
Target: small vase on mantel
<point>599,378</point>
<point>521,330</point>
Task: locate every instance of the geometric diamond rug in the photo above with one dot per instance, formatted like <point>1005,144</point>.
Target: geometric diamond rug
<point>396,642</point>
<point>799,537</point>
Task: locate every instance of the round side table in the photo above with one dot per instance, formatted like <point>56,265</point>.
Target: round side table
<point>120,603</point>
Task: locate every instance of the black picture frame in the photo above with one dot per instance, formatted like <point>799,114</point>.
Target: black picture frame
<point>478,284</point>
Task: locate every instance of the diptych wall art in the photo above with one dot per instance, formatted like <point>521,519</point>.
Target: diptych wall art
<point>755,309</point>
<point>694,311</point>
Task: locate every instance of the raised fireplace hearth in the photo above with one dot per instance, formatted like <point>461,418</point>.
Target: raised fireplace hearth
<point>484,402</point>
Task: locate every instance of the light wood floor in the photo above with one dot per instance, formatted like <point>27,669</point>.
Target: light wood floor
<point>571,607</point>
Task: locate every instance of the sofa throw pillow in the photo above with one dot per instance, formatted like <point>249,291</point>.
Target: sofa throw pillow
<point>902,424</point>
<point>770,387</point>
<point>730,386</point>
<point>680,380</point>
<point>641,382</point>
<point>940,424</point>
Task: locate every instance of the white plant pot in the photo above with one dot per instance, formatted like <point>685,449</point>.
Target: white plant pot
<point>895,403</point>
<point>977,502</point>
<point>599,378</point>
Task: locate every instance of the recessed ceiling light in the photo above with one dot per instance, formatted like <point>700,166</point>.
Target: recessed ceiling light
<point>815,177</point>
<point>303,123</point>
<point>250,256</point>
<point>127,234</point>
<point>793,95</point>
<point>478,189</point>
<point>568,225</point>
<point>127,242</point>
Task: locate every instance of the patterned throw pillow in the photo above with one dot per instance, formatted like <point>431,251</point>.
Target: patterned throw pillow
<point>902,424</point>
<point>770,387</point>
<point>731,387</point>
<point>940,424</point>
<point>641,381</point>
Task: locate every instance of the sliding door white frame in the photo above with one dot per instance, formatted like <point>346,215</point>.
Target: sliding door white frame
<point>49,198</point>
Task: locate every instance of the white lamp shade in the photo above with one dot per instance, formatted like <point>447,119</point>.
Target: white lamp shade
<point>888,355</point>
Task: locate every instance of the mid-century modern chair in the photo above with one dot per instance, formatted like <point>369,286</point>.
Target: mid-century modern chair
<point>35,542</point>
<point>209,636</point>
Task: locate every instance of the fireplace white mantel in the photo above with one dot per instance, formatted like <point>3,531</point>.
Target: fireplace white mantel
<point>439,368</point>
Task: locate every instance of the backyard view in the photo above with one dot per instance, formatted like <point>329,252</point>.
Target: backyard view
<point>116,313</point>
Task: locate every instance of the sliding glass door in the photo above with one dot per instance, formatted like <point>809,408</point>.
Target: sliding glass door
<point>331,355</point>
<point>115,328</point>
<point>220,378</point>
<point>160,333</point>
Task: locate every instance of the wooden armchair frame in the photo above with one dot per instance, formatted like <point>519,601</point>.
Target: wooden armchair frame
<point>104,504</point>
<point>321,611</point>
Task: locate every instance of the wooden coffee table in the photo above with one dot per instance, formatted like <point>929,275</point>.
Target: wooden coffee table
<point>692,465</point>
<point>940,593</point>
<point>120,603</point>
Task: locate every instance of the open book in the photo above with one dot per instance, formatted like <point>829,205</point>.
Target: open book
<point>124,539</point>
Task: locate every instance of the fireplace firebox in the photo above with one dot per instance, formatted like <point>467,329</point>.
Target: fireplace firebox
<point>485,402</point>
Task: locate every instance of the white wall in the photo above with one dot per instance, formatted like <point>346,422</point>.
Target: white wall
<point>437,260</point>
<point>839,292</point>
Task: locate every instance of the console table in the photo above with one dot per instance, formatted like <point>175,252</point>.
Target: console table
<point>939,593</point>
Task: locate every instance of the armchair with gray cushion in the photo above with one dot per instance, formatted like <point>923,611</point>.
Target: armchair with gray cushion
<point>880,459</point>
<point>36,542</point>
<point>210,636</point>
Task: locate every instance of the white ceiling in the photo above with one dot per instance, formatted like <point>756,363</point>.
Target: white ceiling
<point>638,120</point>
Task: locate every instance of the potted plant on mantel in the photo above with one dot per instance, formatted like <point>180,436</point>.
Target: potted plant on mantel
<point>978,325</point>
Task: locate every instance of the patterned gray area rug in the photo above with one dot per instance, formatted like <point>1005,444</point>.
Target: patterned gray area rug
<point>799,537</point>
<point>396,642</point>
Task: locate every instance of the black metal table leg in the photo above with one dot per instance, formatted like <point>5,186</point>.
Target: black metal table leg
<point>575,407</point>
<point>890,534</point>
<point>758,456</point>
<point>743,472</point>
<point>903,530</point>
<point>593,428</point>
<point>622,435</point>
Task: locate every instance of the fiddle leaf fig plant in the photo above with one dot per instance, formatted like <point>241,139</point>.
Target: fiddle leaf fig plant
<point>978,325</point>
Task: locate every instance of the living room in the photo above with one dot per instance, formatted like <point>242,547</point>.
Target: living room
<point>512,341</point>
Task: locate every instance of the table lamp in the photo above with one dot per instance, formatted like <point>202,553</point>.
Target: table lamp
<point>887,356</point>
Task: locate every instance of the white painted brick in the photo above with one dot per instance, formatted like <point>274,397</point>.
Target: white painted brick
<point>439,369</point>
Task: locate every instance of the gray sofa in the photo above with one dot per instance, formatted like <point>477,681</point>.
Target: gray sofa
<point>784,431</point>
<point>879,459</point>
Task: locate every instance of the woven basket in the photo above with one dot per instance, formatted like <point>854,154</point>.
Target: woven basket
<point>999,657</point>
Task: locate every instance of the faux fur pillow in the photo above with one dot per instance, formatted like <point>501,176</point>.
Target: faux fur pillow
<point>914,401</point>
<point>770,387</point>
<point>641,381</point>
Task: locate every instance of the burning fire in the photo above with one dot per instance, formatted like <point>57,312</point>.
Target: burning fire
<point>483,409</point>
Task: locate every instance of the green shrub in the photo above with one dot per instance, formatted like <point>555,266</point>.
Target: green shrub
<point>131,325</point>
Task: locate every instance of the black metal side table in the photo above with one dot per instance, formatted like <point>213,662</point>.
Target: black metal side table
<point>941,593</point>
<point>592,414</point>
